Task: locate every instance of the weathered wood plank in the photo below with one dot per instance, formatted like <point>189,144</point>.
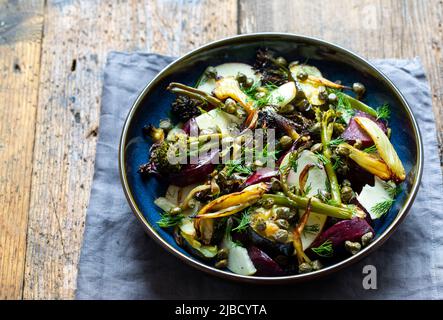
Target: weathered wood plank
<point>375,29</point>
<point>78,35</point>
<point>21,24</point>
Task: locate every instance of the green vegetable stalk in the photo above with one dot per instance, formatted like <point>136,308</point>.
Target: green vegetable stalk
<point>326,131</point>
<point>191,92</point>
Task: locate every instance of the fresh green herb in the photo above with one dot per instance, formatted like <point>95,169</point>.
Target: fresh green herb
<point>307,190</point>
<point>335,142</point>
<point>235,166</point>
<point>393,189</point>
<point>322,158</point>
<point>325,249</point>
<point>313,228</point>
<point>371,149</point>
<point>343,106</point>
<point>383,112</point>
<point>244,222</point>
<point>338,163</point>
<point>327,185</point>
<point>382,208</point>
<point>167,220</point>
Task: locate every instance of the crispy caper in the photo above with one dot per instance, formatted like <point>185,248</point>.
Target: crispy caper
<point>281,61</point>
<point>176,210</point>
<point>323,95</point>
<point>289,108</point>
<point>282,223</point>
<point>268,203</point>
<point>304,267</point>
<point>346,183</point>
<point>347,194</point>
<point>366,238</point>
<point>332,97</point>
<point>283,212</point>
<point>221,264</point>
<point>222,254</point>
<point>262,89</point>
<point>211,72</point>
<point>285,142</point>
<point>343,169</point>
<point>338,128</point>
<point>259,95</point>
<point>358,88</point>
<point>230,106</point>
<point>260,225</point>
<point>275,184</point>
<point>302,76</point>
<point>249,82</point>
<point>281,235</point>
<point>342,151</point>
<point>241,77</point>
<point>352,247</point>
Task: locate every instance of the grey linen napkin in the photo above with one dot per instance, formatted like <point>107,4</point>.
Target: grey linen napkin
<point>119,261</point>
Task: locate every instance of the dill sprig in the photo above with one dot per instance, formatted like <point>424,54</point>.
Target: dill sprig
<point>343,105</point>
<point>243,223</point>
<point>325,249</point>
<point>371,149</point>
<point>322,158</point>
<point>338,163</point>
<point>382,208</point>
<point>313,228</point>
<point>335,142</point>
<point>167,220</point>
<point>393,189</point>
<point>235,166</point>
<point>383,112</point>
<point>306,190</point>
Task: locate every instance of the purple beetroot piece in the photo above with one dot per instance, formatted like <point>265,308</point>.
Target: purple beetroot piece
<point>261,175</point>
<point>354,132</point>
<point>342,231</point>
<point>263,263</point>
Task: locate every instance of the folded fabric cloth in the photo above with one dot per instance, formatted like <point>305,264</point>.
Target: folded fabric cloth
<point>120,261</point>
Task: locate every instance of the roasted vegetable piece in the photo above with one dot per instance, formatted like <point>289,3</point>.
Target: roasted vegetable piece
<point>263,263</point>
<point>272,70</point>
<point>270,119</point>
<point>384,147</point>
<point>229,88</point>
<point>346,230</point>
<point>271,247</point>
<point>184,90</point>
<point>232,203</point>
<point>354,132</point>
<point>261,175</point>
<point>369,162</point>
<point>185,108</point>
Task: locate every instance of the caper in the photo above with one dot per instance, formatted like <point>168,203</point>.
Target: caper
<point>248,83</point>
<point>342,151</point>
<point>346,183</point>
<point>241,77</point>
<point>332,97</point>
<point>285,142</point>
<point>221,264</point>
<point>352,247</point>
<point>303,105</point>
<point>222,254</point>
<point>358,88</point>
<point>289,108</point>
<point>260,225</point>
<point>165,124</point>
<point>211,72</point>
<point>304,267</point>
<point>283,212</point>
<point>366,238</point>
<point>343,170</point>
<point>347,194</point>
<point>323,95</point>
<point>231,109</point>
<point>338,128</point>
<point>317,147</point>
<point>156,134</point>
<point>282,223</point>
<point>259,95</point>
<point>230,106</point>
<point>268,203</point>
<point>275,185</point>
<point>262,89</point>
<point>175,211</point>
<point>302,76</point>
<point>358,144</point>
<point>281,61</point>
<point>281,236</point>
<point>316,265</point>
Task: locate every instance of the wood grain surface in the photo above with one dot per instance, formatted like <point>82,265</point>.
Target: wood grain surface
<point>50,87</point>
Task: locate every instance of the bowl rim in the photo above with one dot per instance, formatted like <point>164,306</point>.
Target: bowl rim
<point>288,278</point>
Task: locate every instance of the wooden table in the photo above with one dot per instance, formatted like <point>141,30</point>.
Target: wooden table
<point>52,55</point>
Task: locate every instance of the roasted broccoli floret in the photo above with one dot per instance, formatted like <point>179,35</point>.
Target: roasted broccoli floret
<point>185,108</point>
<point>273,70</point>
<point>159,162</point>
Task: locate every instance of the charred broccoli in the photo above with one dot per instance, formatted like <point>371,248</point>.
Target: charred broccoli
<point>273,70</point>
<point>185,108</point>
<point>159,162</point>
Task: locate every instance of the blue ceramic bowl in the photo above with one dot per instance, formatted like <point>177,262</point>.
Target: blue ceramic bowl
<point>335,62</point>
